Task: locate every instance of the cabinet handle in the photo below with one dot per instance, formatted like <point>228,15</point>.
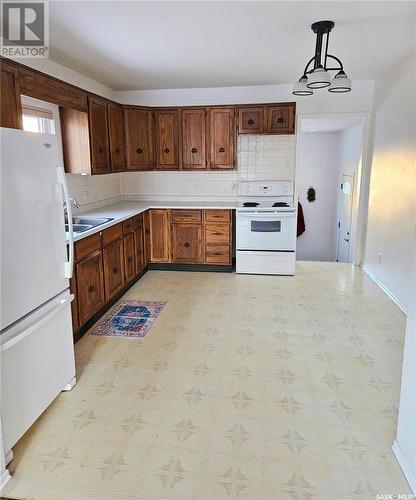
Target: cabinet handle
<point>221,150</point>
<point>91,288</point>
<point>147,231</point>
<point>251,121</point>
<point>186,244</point>
<point>115,270</point>
<point>139,150</point>
<point>166,150</point>
<point>279,120</point>
<point>194,150</point>
<point>129,259</point>
<point>100,150</point>
<point>117,150</point>
<point>217,234</point>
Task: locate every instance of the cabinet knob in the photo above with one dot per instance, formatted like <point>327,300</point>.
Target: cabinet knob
<point>117,150</point>
<point>221,150</point>
<point>115,270</point>
<point>139,150</point>
<point>250,121</point>
<point>194,150</point>
<point>166,151</point>
<point>186,244</point>
<point>91,288</point>
<point>129,259</point>
<point>280,120</point>
<point>147,231</point>
<point>100,150</point>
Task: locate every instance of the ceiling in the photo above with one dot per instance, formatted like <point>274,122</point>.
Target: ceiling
<point>154,45</point>
<point>319,125</point>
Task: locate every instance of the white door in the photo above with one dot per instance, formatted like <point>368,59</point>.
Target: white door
<point>344,223</point>
<point>33,246</point>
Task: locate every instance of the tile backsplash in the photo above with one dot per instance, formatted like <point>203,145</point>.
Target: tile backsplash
<point>259,157</point>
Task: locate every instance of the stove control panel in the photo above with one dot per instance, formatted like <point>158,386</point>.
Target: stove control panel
<point>266,188</point>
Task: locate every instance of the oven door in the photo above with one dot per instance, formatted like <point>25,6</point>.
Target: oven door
<point>272,231</point>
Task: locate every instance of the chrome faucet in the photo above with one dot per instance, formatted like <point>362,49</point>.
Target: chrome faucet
<point>73,203</point>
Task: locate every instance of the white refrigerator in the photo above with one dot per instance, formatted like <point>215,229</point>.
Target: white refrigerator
<point>37,352</point>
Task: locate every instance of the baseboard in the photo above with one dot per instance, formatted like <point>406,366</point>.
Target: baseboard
<point>409,475</point>
<point>4,479</point>
<point>213,268</point>
<point>384,288</point>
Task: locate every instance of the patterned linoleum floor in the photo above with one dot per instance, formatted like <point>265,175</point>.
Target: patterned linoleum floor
<point>246,387</point>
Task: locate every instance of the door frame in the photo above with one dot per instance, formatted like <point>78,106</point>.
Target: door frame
<point>352,222</point>
<point>362,178</point>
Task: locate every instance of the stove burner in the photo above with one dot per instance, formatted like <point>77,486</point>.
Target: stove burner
<point>250,204</point>
<point>280,204</point>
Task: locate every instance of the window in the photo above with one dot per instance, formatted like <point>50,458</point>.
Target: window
<point>38,120</point>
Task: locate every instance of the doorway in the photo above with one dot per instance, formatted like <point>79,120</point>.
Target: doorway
<point>328,177</point>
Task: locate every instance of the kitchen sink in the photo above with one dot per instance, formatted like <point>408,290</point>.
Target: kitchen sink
<point>81,224</point>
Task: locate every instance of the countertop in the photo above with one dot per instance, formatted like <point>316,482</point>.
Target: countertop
<point>123,210</point>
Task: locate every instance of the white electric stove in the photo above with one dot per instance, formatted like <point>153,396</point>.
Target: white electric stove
<point>266,228</point>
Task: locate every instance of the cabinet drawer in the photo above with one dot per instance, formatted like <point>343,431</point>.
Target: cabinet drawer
<point>217,215</point>
<point>128,226</point>
<point>217,233</point>
<point>217,254</point>
<point>186,216</point>
<point>87,246</point>
<point>112,233</point>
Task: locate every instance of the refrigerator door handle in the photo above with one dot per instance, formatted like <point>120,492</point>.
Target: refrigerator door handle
<point>69,265</point>
<point>44,319</point>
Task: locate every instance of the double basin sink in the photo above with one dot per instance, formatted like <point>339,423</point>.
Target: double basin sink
<point>81,224</point>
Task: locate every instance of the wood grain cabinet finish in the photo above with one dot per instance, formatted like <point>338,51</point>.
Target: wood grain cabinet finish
<point>129,256</point>
<point>116,137</point>
<point>139,249</point>
<point>218,236</point>
<point>100,154</point>
<point>90,286</point>
<point>281,119</point>
<point>186,243</point>
<point>222,143</point>
<point>251,120</point>
<point>74,303</point>
<point>186,215</point>
<point>218,254</point>
<point>11,109</point>
<point>113,260</point>
<point>47,88</point>
<point>159,226</point>
<point>146,237</point>
<point>193,132</point>
<point>166,139</point>
<point>138,124</point>
<point>217,233</point>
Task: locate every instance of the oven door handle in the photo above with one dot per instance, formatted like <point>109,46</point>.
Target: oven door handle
<point>258,215</point>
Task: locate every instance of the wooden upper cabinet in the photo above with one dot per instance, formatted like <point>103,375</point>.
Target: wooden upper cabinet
<point>193,128</point>
<point>139,138</point>
<point>251,120</point>
<point>116,137</point>
<point>281,119</point>
<point>98,123</point>
<point>166,139</point>
<point>222,142</point>
<point>75,131</point>
<point>11,108</point>
<point>159,226</point>
<point>50,89</point>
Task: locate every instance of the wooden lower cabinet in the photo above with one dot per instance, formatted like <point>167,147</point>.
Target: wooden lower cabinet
<point>159,227</point>
<point>129,256</point>
<point>90,286</point>
<point>113,261</point>
<point>187,243</point>
<point>74,303</point>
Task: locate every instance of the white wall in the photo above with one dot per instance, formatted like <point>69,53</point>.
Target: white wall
<point>391,217</point>
<point>318,167</point>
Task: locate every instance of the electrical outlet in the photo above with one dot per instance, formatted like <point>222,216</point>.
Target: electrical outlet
<point>379,258</point>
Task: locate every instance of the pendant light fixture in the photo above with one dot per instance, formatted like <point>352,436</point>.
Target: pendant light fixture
<point>317,71</point>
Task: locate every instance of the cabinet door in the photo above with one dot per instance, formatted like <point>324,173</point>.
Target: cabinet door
<point>138,242</point>
<point>251,120</point>
<point>187,243</point>
<point>116,135</point>
<point>100,157</point>
<point>194,138</point>
<point>159,235</point>
<point>10,105</point>
<point>74,304</point>
<point>129,257</point>
<point>281,119</point>
<point>166,139</point>
<point>90,286</point>
<point>222,138</point>
<point>139,138</point>
<point>113,268</point>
